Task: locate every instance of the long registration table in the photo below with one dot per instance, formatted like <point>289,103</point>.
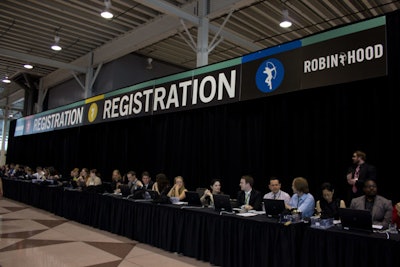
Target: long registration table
<point>201,233</point>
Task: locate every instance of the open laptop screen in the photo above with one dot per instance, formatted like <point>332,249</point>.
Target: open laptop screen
<point>354,219</point>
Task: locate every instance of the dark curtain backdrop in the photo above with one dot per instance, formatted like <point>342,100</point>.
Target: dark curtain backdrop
<point>310,133</point>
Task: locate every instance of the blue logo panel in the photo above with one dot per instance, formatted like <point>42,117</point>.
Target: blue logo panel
<point>269,75</point>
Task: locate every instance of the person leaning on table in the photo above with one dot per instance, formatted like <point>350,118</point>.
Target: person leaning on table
<point>178,189</point>
<point>207,198</point>
<point>301,200</point>
<point>380,207</point>
<point>328,206</point>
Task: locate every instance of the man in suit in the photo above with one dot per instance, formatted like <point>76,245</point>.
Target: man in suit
<point>146,181</point>
<point>357,174</point>
<point>380,207</point>
<point>248,198</point>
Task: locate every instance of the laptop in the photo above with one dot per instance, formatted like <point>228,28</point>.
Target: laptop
<point>193,198</point>
<point>357,220</point>
<point>274,207</point>
<point>125,190</point>
<point>222,202</point>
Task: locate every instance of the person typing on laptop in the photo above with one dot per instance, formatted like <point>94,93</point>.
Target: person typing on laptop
<point>380,207</point>
<point>328,206</point>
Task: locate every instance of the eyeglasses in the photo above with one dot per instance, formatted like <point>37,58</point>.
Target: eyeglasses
<point>370,186</point>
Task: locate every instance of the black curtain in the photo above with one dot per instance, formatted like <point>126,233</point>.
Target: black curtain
<point>310,133</point>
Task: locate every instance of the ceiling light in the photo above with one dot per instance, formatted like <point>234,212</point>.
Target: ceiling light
<point>286,23</point>
<point>6,79</point>
<point>28,66</point>
<point>106,13</point>
<point>56,46</point>
<point>149,65</point>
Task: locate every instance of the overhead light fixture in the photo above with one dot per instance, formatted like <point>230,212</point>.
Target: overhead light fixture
<point>149,65</point>
<point>56,46</point>
<point>106,12</point>
<point>28,66</point>
<point>6,79</point>
<point>286,23</point>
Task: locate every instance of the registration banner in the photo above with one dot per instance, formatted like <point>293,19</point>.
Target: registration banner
<point>346,54</point>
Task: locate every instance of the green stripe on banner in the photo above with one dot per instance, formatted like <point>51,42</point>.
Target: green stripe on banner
<point>130,88</point>
<point>357,27</point>
<point>174,77</point>
<point>55,110</point>
<point>218,66</point>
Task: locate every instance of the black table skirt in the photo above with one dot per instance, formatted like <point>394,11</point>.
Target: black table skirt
<point>201,233</point>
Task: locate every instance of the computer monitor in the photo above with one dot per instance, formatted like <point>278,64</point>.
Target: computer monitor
<point>274,207</point>
<point>222,202</point>
<point>355,219</point>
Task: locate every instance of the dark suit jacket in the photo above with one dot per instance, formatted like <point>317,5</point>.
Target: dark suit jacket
<point>367,172</point>
<point>150,186</point>
<point>254,201</point>
<point>381,211</point>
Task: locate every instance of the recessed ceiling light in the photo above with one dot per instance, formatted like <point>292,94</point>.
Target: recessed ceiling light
<point>6,80</point>
<point>56,46</point>
<point>28,66</point>
<point>107,13</point>
<point>286,23</point>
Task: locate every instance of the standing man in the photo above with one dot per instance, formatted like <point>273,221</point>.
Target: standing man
<point>248,198</point>
<point>357,174</point>
<point>276,192</point>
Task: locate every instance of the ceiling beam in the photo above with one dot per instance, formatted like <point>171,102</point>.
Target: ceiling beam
<point>226,6</point>
<point>160,28</point>
<point>40,60</point>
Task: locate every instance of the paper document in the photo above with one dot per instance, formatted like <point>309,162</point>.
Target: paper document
<point>246,214</point>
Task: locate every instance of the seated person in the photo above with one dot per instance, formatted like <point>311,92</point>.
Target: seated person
<point>39,173</point>
<point>178,189</point>
<point>146,181</point>
<point>93,179</point>
<point>50,175</point>
<point>29,173</point>
<point>19,171</point>
<point>207,198</point>
<point>276,192</point>
<point>83,177</point>
<point>301,201</point>
<point>396,215</point>
<point>74,175</point>
<point>133,184</point>
<point>380,207</point>
<point>248,198</point>
<point>161,186</point>
<point>116,179</point>
<point>327,206</point>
